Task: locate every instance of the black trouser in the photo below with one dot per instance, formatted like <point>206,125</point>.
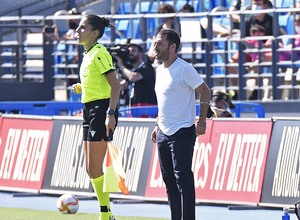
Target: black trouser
<point>176,155</point>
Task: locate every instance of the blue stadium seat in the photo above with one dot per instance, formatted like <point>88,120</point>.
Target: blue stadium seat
<point>125,8</point>
<point>217,61</point>
<point>221,19</point>
<point>145,7</point>
<point>137,33</point>
<point>226,22</point>
<point>179,4</point>
<point>207,5</point>
<point>129,30</point>
<point>248,107</point>
<point>287,3</point>
<point>217,3</point>
<point>197,6</point>
<point>139,112</point>
<point>228,3</point>
<point>282,20</point>
<point>286,22</point>
<point>152,22</point>
<point>290,28</point>
<point>154,7</point>
<point>244,107</point>
<point>170,2</point>
<point>122,26</point>
<point>278,3</point>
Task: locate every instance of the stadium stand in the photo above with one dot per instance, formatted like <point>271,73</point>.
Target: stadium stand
<point>142,7</point>
<point>130,19</point>
<point>286,4</point>
<point>125,8</point>
<point>34,56</point>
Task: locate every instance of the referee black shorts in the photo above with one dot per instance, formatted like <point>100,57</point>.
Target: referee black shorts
<point>94,115</point>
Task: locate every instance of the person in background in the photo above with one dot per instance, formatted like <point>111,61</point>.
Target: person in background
<point>100,95</point>
<point>64,29</point>
<point>175,133</point>
<point>187,8</point>
<point>165,22</point>
<point>265,21</point>
<point>221,105</point>
<point>61,25</point>
<point>139,77</point>
<point>73,24</point>
<point>255,31</point>
<point>258,31</point>
<point>238,5</point>
<point>69,36</point>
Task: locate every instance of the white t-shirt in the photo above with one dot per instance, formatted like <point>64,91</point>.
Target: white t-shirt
<point>175,90</point>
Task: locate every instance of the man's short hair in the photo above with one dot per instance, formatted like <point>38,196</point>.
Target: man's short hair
<point>172,36</point>
<point>139,47</point>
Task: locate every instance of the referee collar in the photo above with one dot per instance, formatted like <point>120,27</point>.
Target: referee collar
<point>91,47</point>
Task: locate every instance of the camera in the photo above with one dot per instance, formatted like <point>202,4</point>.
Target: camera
<point>120,51</point>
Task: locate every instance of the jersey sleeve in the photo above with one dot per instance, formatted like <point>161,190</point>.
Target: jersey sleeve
<point>104,62</point>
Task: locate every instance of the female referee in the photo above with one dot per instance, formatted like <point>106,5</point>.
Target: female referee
<point>100,94</point>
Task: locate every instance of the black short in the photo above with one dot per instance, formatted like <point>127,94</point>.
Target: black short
<point>94,115</point>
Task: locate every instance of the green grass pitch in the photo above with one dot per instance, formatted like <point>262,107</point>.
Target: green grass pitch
<point>29,214</point>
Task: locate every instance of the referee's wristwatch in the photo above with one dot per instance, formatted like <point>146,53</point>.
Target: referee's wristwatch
<point>110,111</point>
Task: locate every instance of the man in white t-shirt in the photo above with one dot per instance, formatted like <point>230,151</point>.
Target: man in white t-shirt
<point>175,133</point>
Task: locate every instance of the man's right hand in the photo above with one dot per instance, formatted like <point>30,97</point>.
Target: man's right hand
<point>154,133</point>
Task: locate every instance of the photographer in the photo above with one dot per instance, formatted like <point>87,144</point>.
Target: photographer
<point>221,105</point>
<point>140,79</point>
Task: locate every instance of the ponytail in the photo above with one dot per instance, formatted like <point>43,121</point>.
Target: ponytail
<point>99,23</point>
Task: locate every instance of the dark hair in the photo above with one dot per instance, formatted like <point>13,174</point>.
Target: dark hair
<point>139,47</point>
<point>98,23</point>
<point>258,28</point>
<point>187,7</point>
<point>166,8</point>
<point>267,2</point>
<point>171,36</point>
<point>219,96</point>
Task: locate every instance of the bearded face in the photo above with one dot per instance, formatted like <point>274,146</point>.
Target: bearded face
<point>132,58</point>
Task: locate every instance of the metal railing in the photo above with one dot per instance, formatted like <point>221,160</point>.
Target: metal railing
<point>274,79</point>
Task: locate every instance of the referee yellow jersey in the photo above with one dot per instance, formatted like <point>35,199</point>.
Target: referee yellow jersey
<point>95,64</point>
